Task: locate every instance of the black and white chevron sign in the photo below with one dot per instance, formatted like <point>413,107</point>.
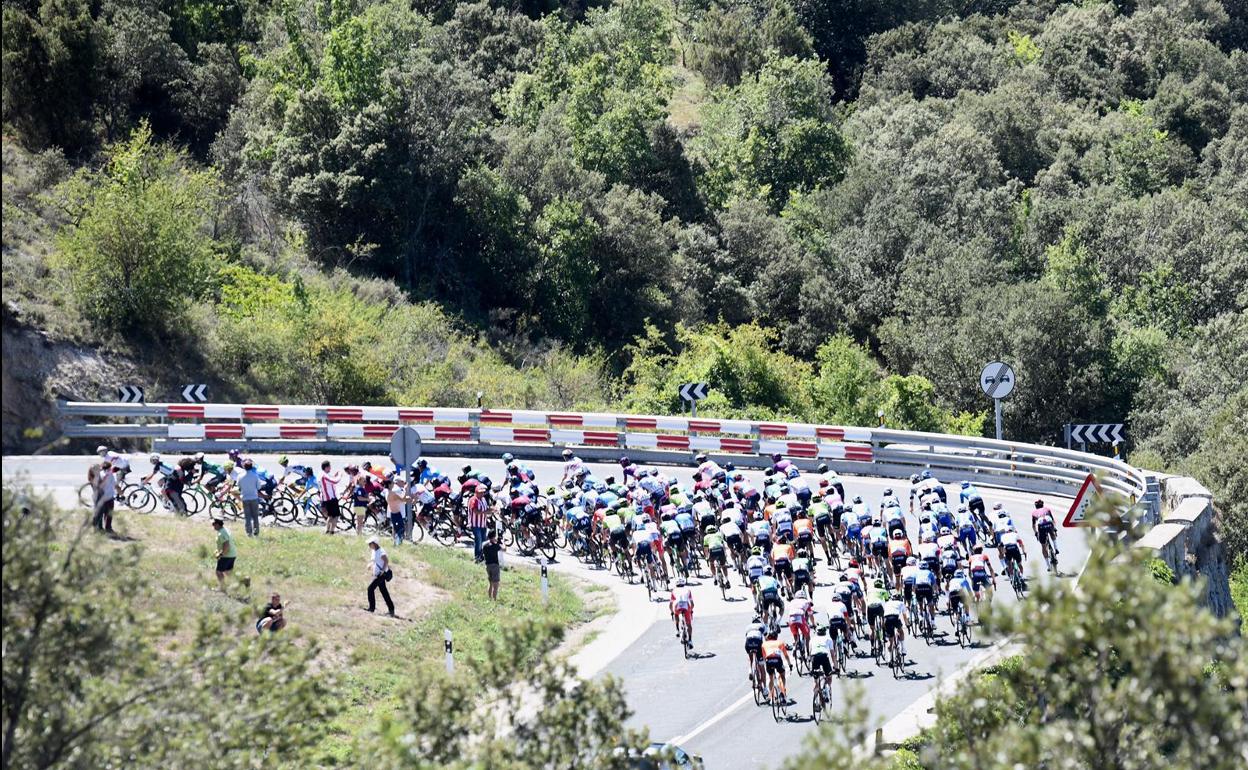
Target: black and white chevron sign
<point>130,394</point>
<point>194,393</point>
<point>693,391</point>
<point>1090,434</point>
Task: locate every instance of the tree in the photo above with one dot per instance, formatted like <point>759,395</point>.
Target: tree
<point>521,708</point>
<point>89,681</point>
<point>138,247</point>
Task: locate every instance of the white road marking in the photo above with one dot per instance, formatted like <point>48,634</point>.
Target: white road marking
<point>695,732</point>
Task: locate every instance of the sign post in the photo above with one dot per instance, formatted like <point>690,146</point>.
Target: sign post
<point>997,382</point>
<point>545,583</point>
<point>693,392</point>
<point>449,644</point>
<point>405,449</point>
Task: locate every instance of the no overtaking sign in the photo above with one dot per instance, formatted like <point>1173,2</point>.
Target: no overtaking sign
<point>997,380</point>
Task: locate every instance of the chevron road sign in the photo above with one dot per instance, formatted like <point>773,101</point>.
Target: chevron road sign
<point>194,393</point>
<point>1107,433</point>
<point>130,394</point>
<point>693,391</point>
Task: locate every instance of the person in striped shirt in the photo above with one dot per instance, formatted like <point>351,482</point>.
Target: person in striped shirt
<point>329,482</point>
<point>478,518</point>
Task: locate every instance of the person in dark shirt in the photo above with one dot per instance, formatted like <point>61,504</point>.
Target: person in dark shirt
<point>493,569</point>
<point>271,617</point>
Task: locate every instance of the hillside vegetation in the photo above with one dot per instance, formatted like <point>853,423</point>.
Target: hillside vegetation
<point>825,209</point>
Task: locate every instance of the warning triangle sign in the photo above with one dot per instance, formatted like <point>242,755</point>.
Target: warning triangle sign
<point>1077,516</point>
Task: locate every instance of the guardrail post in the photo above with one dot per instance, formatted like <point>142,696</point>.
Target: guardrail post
<point>474,423</point>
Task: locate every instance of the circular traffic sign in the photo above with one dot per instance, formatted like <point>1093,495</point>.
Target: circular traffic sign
<point>997,379</point>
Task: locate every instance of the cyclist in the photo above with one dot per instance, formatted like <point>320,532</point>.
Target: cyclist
<point>925,592</point>
<point>915,489</point>
<point>879,546</point>
<point>629,468</point>
<point>908,575</point>
<point>1045,529</point>
<point>775,655</point>
<point>1012,550</point>
<point>642,554</point>
<point>898,553</point>
<point>838,620</point>
<point>760,533</point>
<point>731,532</point>
<point>821,656</point>
<point>893,518</point>
<point>1000,523</point>
<point>982,572</point>
<point>210,474</point>
<point>119,462</point>
<point>756,565</point>
<point>799,618</point>
<point>782,555</point>
<point>834,481</point>
<point>804,572</point>
<point>681,605</point>
<point>166,472</point>
<point>754,637</point>
<point>875,607</point>
<point>967,534</point>
<point>782,521</point>
<point>894,613</point>
<point>973,500</point>
<point>779,464</point>
<point>716,555</point>
<point>889,500</point>
<point>769,593</point>
<point>572,466</point>
<point>960,589</point>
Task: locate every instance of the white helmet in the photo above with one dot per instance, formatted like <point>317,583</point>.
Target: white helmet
<point>199,456</point>
<point>101,450</point>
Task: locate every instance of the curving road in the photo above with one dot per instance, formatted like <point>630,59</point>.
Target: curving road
<point>704,703</point>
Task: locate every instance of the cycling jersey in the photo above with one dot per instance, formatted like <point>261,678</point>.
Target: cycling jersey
<point>820,510</point>
<point>899,548</point>
<point>729,530</point>
<point>681,599</point>
<point>774,649</point>
<point>117,460</point>
<point>801,566</point>
<point>713,541</point>
<point>908,574</point>
<point>782,552</point>
<point>611,522</point>
<point>893,608</point>
<point>877,596</point>
<point>755,566</point>
<point>970,493</point>
<point>924,577</point>
<point>768,584</point>
<point>685,522</point>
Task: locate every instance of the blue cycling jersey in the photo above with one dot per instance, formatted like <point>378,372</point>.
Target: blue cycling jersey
<point>970,493</point>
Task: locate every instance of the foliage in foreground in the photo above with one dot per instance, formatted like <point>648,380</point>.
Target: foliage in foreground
<point>1119,671</point>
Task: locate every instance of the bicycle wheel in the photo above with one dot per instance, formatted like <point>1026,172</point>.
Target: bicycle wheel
<point>760,695</point>
<point>442,530</point>
<point>86,495</point>
<point>141,500</point>
<point>774,697</point>
<point>546,545</point>
<point>418,531</point>
<point>816,705</point>
<point>226,508</point>
<point>685,644</point>
<point>196,500</point>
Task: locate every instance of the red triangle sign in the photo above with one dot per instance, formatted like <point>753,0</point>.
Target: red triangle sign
<point>1077,516</point>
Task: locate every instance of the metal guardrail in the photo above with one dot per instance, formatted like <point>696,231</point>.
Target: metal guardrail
<point>646,438</point>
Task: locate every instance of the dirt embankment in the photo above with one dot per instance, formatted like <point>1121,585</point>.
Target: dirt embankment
<point>37,370</point>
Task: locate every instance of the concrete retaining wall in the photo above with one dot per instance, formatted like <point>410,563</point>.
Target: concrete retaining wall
<point>1187,539</point>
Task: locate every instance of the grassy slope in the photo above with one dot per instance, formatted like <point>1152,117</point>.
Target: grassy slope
<point>322,580</point>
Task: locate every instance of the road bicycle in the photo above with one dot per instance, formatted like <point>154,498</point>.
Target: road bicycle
<point>963,627</point>
<point>779,700</point>
<point>821,699</point>
<point>1017,582</point>
<point>686,635</point>
<point>877,642</point>
<point>896,661</point>
<point>1048,547</point>
<point>758,681</point>
<point>801,655</point>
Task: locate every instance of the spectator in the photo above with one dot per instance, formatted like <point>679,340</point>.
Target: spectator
<point>227,552</point>
<point>493,567</point>
<point>394,506</point>
<point>478,518</point>
<point>249,490</point>
<point>271,617</point>
<point>105,497</point>
<point>360,488</point>
<point>380,567</point>
<point>329,482</point>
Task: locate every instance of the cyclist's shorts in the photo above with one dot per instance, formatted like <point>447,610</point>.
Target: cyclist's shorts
<point>854,531</point>
<point>804,539</point>
<point>583,524</point>
<point>955,601</point>
<point>776,665</point>
<point>947,569</point>
<point>718,554</point>
<point>966,533</point>
<point>879,550</point>
<point>923,591</point>
<point>835,623</point>
<point>892,624</point>
<point>979,580</point>
<point>674,540</point>
<point>824,518</point>
<point>686,613</point>
<point>763,542</point>
<point>873,612</point>
<point>707,520</point>
<point>754,645</point>
<point>798,627</point>
<point>932,563</point>
<point>846,598</point>
<point>1046,530</point>
<point>734,541</point>
<point>820,664</point>
<point>1012,552</point>
<point>619,537</point>
<point>643,551</point>
<point>907,589</point>
<point>899,561</point>
<point>801,576</point>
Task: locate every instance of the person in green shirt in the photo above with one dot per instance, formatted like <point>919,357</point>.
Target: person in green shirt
<point>227,552</point>
<point>716,555</point>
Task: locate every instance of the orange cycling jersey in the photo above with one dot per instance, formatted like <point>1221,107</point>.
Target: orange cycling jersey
<point>774,648</point>
<point>899,547</point>
<point>768,511</point>
<point>802,525</point>
<point>782,552</point>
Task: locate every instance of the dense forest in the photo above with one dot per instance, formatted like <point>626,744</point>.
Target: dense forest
<point>824,208</point>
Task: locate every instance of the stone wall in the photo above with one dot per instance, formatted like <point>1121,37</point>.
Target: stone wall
<point>1187,539</point>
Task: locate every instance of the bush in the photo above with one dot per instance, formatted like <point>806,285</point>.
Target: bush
<point>139,245</point>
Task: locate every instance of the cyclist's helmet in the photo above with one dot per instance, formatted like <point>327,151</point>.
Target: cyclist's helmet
<point>155,459</point>
<point>979,548</point>
<point>1039,503</point>
<point>914,478</point>
<point>857,499</point>
<point>911,561</point>
<point>823,468</point>
<point>878,583</point>
<point>756,551</point>
<point>961,509</point>
<point>897,534</point>
<point>853,564</point>
<point>283,460</point>
<point>780,504</point>
<point>712,529</point>
<point>624,460</point>
<point>927,474</point>
<point>700,457</point>
<point>101,450</point>
<point>199,457</point>
<point>508,457</point>
<point>422,463</point>
<point>229,466</point>
<point>567,453</point>
<point>776,457</point>
<point>925,520</point>
<point>946,531</point>
<point>966,485</point>
<point>234,454</point>
<point>767,570</point>
<point>729,467</point>
<point>997,506</point>
<point>888,492</point>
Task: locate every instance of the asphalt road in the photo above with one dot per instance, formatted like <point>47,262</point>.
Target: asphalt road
<point>705,703</point>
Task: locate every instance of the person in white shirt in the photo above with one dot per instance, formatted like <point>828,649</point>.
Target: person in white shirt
<point>105,498</point>
<point>379,566</point>
<point>329,482</point>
